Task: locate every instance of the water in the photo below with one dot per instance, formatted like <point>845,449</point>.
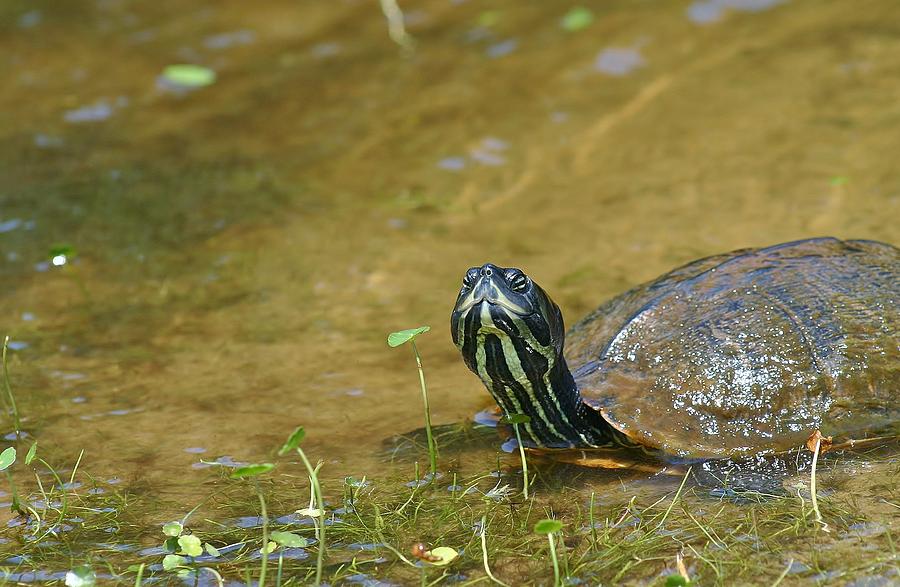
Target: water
<point>242,250</point>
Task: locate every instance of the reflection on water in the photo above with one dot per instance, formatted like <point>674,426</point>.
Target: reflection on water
<point>243,248</point>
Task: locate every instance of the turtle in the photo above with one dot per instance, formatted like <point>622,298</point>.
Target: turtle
<point>741,354</point>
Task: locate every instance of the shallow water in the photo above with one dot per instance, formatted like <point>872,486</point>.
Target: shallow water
<point>243,248</point>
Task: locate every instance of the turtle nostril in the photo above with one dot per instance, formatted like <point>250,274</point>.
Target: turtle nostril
<point>486,271</point>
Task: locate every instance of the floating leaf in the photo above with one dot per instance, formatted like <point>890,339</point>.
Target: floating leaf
<point>189,76</point>
<point>488,18</point>
<point>173,529</point>
<point>212,550</point>
<point>311,512</point>
<point>442,555</point>
<point>81,576</point>
<point>7,458</point>
<point>548,526</point>
<point>515,419</point>
<point>676,581</point>
<point>171,544</point>
<point>293,441</point>
<point>395,339</point>
<point>252,470</point>
<point>269,548</point>
<point>577,19</point>
<point>289,539</point>
<point>190,545</point>
<point>171,561</point>
<point>32,452</point>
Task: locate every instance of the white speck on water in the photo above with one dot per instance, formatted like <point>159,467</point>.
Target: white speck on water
<point>618,61</point>
<point>30,19</point>
<point>710,11</point>
<point>502,49</point>
<point>27,316</point>
<point>195,450</point>
<point>79,400</point>
<point>10,225</point>
<point>230,39</point>
<point>43,141</point>
<point>324,50</point>
<point>17,345</point>
<point>59,260</point>
<point>452,163</point>
<point>91,113</point>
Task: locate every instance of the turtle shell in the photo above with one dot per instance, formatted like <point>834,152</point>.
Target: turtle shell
<point>749,352</point>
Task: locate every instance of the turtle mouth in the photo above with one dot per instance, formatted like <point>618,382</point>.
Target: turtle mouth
<point>487,291</point>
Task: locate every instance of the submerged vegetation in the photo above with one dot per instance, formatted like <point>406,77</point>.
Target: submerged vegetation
<point>462,527</point>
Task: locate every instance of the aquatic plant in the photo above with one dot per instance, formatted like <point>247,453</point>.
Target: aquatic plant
<point>515,420</point>
<point>549,528</point>
<point>317,513</point>
<point>396,339</point>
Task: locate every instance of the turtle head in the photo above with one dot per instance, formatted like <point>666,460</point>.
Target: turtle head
<point>511,334</point>
<point>505,325</point>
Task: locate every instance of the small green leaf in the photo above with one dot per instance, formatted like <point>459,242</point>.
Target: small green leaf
<point>488,18</point>
<point>212,550</point>
<point>445,555</point>
<point>189,76</point>
<point>32,452</point>
<point>171,544</point>
<point>170,561</point>
<point>63,250</point>
<point>676,581</point>
<point>252,470</point>
<point>289,539</point>
<point>173,529</point>
<point>577,19</point>
<point>269,548</point>
<point>839,180</point>
<point>293,441</point>
<point>311,512</point>
<point>7,458</point>
<point>81,576</point>
<point>547,526</point>
<point>515,419</point>
<point>190,545</point>
<point>395,339</point>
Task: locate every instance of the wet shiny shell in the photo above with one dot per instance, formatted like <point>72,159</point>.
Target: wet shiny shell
<point>750,351</point>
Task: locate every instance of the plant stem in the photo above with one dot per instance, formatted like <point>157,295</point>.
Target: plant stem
<point>591,522</point>
<point>553,557</point>
<point>140,575</point>
<point>484,553</point>
<point>317,489</point>
<point>9,393</point>
<point>265,533</point>
<point>524,462</point>
<point>812,485</point>
<point>432,449</point>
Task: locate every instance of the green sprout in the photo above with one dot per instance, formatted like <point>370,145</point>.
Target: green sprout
<point>515,420</point>
<point>395,339</point>
<point>252,472</point>
<point>8,388</point>
<point>317,512</point>
<point>550,527</point>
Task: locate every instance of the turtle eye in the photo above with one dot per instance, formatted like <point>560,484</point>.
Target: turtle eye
<point>518,282</point>
<point>470,277</point>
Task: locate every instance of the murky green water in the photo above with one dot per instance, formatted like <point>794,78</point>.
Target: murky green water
<point>244,248</point>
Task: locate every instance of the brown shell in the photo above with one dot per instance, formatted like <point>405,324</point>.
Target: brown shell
<point>751,351</point>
